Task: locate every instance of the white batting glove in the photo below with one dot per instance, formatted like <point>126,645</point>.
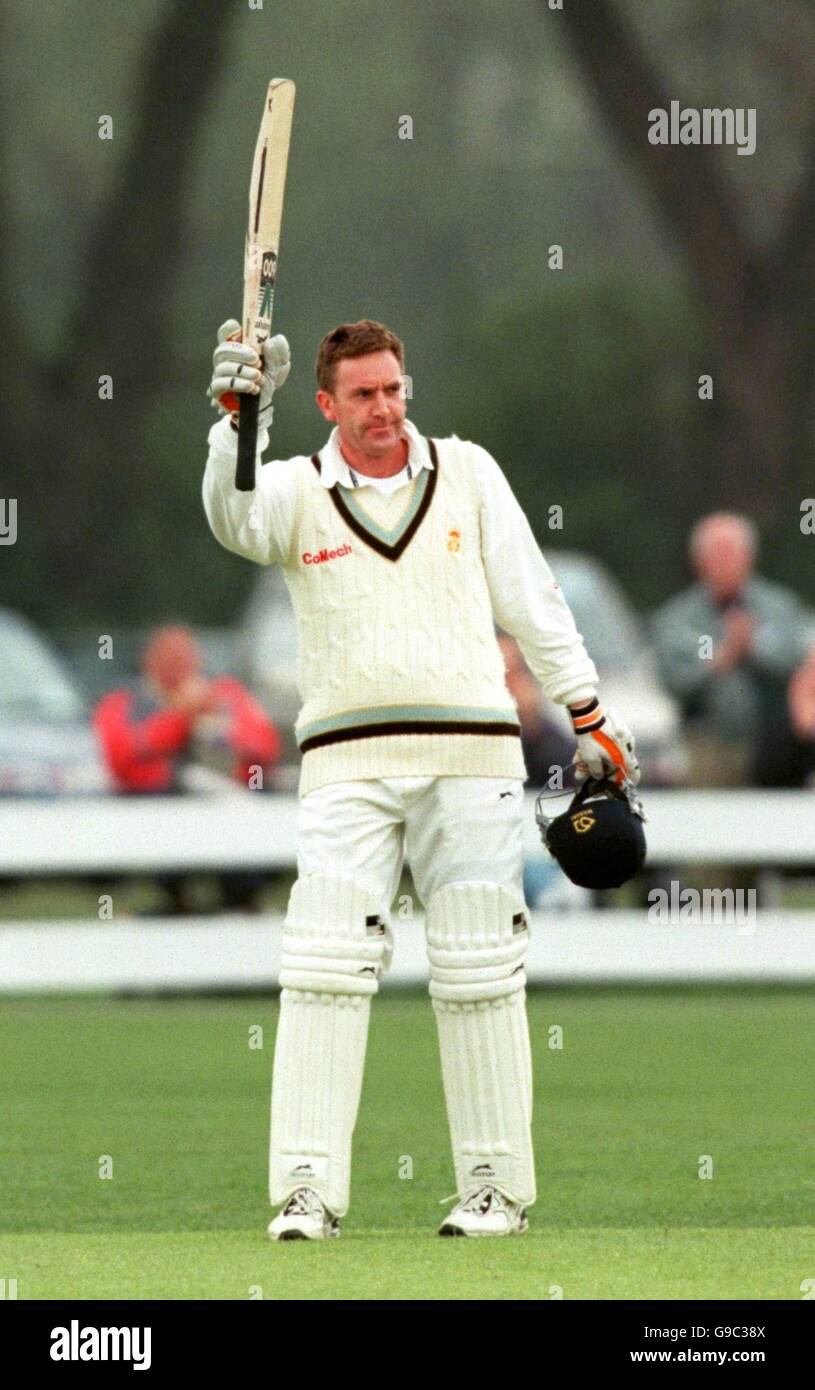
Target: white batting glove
<point>237,371</point>
<point>605,743</point>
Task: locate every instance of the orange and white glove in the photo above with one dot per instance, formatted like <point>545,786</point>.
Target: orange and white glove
<point>605,743</point>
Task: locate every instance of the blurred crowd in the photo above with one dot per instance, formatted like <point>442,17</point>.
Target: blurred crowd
<point>176,716</point>
<point>735,652</point>
<point>738,654</point>
<point>718,686</point>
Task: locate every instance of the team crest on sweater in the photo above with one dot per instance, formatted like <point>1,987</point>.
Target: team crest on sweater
<point>454,541</point>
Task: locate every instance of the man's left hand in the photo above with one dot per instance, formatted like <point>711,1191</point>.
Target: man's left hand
<point>605,743</point>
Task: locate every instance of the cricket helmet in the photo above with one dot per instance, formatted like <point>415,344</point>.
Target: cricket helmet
<point>598,841</point>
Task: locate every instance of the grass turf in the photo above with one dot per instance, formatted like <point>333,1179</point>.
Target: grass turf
<point>645,1084</point>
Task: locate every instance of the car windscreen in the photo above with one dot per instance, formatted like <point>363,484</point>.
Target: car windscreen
<point>33,684</point>
<point>608,626</point>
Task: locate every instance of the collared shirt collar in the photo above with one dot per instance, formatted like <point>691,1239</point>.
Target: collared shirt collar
<point>334,469</point>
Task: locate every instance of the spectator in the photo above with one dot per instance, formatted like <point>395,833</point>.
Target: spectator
<point>545,746</point>
<point>787,756</point>
<point>546,749</point>
<point>732,691</point>
<point>178,716</point>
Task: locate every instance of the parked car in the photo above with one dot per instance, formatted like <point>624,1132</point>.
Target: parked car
<point>46,745</point>
<point>614,636</point>
<point>615,640</point>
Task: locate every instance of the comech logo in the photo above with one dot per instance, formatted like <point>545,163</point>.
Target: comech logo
<point>321,556</point>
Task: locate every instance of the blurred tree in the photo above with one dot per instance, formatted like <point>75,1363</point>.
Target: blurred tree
<point>19,399</point>
<point>759,299</point>
<point>119,326</point>
<point>122,257</point>
<point>598,422</point>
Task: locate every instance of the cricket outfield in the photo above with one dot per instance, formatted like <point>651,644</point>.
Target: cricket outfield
<point>673,1135</point>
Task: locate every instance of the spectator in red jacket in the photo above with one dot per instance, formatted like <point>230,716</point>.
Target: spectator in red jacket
<point>178,715</point>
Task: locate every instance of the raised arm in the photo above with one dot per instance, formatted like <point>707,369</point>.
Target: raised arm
<point>259,524</point>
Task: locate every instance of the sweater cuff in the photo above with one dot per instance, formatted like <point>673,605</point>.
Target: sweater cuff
<point>580,695</point>
<point>587,716</point>
<point>223,440</point>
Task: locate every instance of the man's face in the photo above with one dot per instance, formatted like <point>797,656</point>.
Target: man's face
<point>171,657</point>
<point>368,402</point>
<point>724,560</point>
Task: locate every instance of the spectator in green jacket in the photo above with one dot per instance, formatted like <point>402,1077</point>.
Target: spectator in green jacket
<point>727,647</point>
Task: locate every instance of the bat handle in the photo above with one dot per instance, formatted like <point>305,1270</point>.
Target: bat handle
<point>247,443</point>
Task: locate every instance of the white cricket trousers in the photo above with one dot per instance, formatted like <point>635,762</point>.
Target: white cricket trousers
<point>463,839</point>
<point>452,830</point>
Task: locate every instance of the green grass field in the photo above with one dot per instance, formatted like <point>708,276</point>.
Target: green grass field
<point>645,1084</point>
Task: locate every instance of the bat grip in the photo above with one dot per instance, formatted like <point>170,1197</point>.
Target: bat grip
<point>247,443</point>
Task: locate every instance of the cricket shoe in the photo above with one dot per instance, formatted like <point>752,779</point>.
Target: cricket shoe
<point>304,1217</point>
<point>485,1212</point>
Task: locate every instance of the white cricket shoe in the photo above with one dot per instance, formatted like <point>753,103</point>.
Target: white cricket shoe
<point>485,1212</point>
<point>304,1217</point>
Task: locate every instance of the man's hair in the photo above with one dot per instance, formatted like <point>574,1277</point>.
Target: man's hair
<point>713,521</point>
<point>354,340</point>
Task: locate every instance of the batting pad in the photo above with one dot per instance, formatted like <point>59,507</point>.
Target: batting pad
<point>334,951</point>
<point>477,937</point>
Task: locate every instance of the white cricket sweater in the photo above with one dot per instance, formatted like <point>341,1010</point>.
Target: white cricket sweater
<point>396,594</point>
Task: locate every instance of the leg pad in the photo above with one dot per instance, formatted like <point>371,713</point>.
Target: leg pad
<point>477,942</point>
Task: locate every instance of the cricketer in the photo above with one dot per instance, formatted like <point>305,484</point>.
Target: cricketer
<point>401,554</point>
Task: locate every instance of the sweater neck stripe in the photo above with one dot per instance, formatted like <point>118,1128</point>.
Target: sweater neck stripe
<point>390,544</point>
<point>397,531</point>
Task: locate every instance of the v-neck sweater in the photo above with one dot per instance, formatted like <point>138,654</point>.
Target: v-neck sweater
<point>396,597</point>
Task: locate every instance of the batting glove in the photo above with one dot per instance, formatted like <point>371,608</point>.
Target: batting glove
<point>237,371</point>
<point>604,743</point>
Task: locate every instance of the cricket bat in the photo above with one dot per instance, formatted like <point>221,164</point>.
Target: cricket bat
<point>262,247</point>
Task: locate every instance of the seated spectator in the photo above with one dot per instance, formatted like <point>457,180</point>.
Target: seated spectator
<point>786,758</point>
<point>726,648</point>
<point>545,746</point>
<point>546,749</point>
<point>178,716</point>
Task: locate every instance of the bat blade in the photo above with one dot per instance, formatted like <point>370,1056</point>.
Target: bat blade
<point>262,248</point>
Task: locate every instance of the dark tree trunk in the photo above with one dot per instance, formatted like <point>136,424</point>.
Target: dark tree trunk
<point>84,452</point>
<point>760,304</point>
